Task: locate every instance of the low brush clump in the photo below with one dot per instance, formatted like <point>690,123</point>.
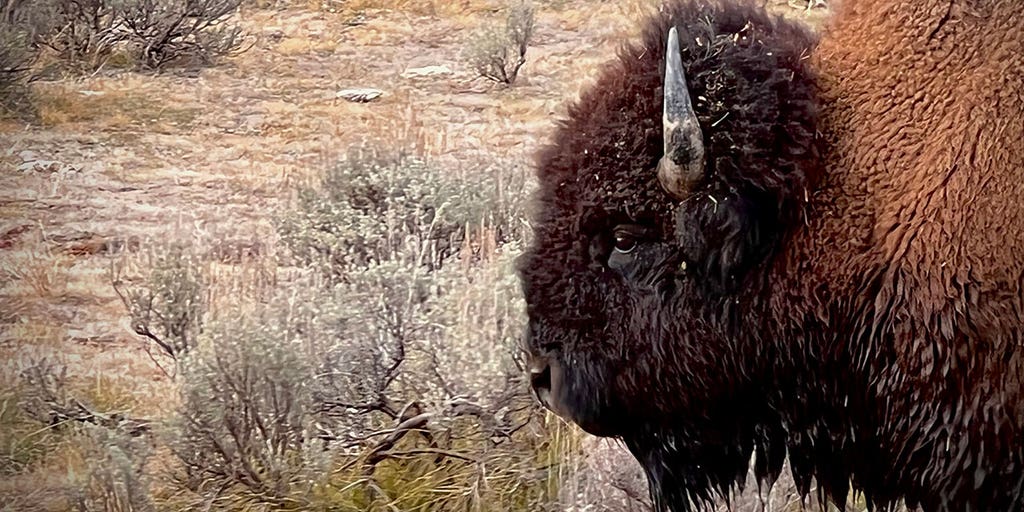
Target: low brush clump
<point>169,305</point>
<point>356,395</point>
<point>17,56</point>
<point>84,36</point>
<point>497,50</point>
<point>370,209</point>
<point>137,33</point>
<point>162,33</point>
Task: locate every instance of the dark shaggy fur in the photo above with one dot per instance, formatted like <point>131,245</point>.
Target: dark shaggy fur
<point>853,300</point>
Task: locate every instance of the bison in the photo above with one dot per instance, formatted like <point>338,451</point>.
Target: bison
<point>751,243</point>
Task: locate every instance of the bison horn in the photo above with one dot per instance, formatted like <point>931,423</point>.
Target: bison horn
<point>682,165</point>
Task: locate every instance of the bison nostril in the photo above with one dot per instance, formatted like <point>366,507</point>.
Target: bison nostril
<point>540,378</point>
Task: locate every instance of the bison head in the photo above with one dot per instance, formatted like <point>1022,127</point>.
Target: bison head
<point>663,199</point>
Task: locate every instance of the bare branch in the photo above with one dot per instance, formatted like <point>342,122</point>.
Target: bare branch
<point>378,452</point>
<point>432,451</point>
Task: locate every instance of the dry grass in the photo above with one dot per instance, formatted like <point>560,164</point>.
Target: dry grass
<point>440,8</point>
<point>35,333</point>
<point>121,108</point>
<point>38,273</point>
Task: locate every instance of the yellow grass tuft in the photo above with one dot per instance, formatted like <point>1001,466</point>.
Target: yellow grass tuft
<point>37,273</point>
<point>108,108</point>
<point>423,7</point>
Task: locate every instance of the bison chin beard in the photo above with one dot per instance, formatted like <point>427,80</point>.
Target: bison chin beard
<point>579,393</point>
<point>688,466</point>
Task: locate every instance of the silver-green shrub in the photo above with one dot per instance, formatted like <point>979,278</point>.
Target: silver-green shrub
<point>115,479</point>
<point>372,208</point>
<point>168,304</point>
<point>497,49</point>
<point>245,427</point>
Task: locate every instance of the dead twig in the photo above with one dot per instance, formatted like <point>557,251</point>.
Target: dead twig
<point>379,451</point>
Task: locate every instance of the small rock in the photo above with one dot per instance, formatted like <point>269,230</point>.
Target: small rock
<point>474,102</point>
<point>426,71</point>
<point>274,34</point>
<point>359,95</point>
<point>90,336</point>
<point>27,156</point>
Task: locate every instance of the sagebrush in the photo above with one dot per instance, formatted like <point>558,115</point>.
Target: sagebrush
<point>167,305</point>
<point>18,26</point>
<point>373,207</point>
<point>85,35</point>
<point>497,50</point>
<point>381,372</point>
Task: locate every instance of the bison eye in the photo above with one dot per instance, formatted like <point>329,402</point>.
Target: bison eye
<point>625,243</point>
<point>627,237</point>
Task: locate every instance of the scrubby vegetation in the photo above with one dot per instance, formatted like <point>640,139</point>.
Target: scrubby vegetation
<point>114,479</point>
<point>497,50</point>
<point>24,440</point>
<point>372,210</point>
<point>82,36</point>
<point>146,33</point>
<point>344,388</point>
<point>379,372</point>
<point>143,33</point>
<point>16,55</point>
<point>168,307</point>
